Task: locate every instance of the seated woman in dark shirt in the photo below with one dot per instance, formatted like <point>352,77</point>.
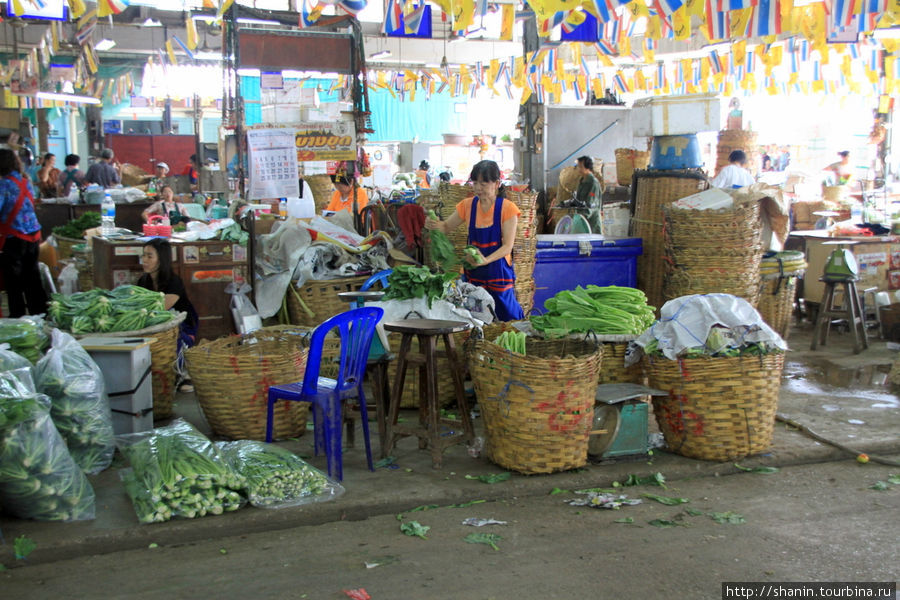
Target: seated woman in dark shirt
<point>159,277</point>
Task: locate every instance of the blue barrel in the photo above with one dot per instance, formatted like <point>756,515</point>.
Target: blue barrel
<point>675,152</point>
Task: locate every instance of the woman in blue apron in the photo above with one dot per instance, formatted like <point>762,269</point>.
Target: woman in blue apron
<point>492,222</point>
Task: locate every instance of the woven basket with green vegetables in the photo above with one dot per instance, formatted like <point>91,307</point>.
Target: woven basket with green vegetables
<point>610,310</point>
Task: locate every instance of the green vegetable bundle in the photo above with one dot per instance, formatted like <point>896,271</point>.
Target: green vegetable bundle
<point>442,251</point>
<point>406,282</point>
<point>275,477</point>
<point>126,308</point>
<point>76,227</point>
<point>514,341</point>
<point>25,336</point>
<point>80,409</point>
<point>10,360</point>
<point>610,310</point>
<point>38,478</point>
<point>177,472</point>
<point>719,346</point>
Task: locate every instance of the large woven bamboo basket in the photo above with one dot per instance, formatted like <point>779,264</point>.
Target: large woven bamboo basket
<point>322,190</point>
<point>64,246</point>
<point>315,301</point>
<point>835,193</point>
<point>614,369</point>
<point>537,408</point>
<point>525,292</point>
<point>84,263</point>
<point>163,353</point>
<point>712,251</point>
<point>232,376</point>
<point>738,139</point>
<point>654,190</point>
<point>779,275</point>
<point>717,408</point>
<point>629,160</point>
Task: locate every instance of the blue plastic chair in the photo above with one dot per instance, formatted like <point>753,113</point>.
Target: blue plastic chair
<point>379,277</point>
<point>356,328</point>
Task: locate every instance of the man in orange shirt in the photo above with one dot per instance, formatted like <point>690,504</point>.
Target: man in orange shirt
<point>342,199</point>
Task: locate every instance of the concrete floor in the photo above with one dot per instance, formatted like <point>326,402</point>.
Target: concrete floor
<point>840,395</point>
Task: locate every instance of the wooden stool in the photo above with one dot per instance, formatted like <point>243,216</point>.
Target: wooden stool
<point>428,430</point>
<point>850,310</point>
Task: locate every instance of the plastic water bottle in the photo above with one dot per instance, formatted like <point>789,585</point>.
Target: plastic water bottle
<point>108,216</point>
<point>283,208</point>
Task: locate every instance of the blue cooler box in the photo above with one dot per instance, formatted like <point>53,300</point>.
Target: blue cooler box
<point>564,262</point>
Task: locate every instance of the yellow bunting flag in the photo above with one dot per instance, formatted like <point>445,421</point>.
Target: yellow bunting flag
<point>607,61</point>
<point>89,57</point>
<point>597,87</point>
<point>649,54</point>
<point>507,21</point>
<point>739,20</point>
<point>191,29</point>
<point>526,94</point>
<point>76,8</point>
<point>739,53</point>
<point>170,52</point>
<point>695,8</point>
<point>654,30</point>
<point>640,82</point>
<point>681,23</point>
<point>18,9</point>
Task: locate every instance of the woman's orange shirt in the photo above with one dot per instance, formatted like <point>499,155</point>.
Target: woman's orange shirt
<point>486,219</point>
<point>336,204</point>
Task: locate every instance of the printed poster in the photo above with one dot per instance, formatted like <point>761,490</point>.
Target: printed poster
<point>273,164</point>
<point>326,141</point>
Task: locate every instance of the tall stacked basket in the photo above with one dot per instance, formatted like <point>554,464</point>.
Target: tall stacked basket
<point>653,190</point>
<point>714,251</point>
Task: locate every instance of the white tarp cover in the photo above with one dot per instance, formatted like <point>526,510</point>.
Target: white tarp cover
<point>685,323</point>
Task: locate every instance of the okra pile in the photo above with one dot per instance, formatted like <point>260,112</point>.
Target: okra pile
<point>276,477</point>
<point>126,308</point>
<point>177,472</point>
<point>514,341</point>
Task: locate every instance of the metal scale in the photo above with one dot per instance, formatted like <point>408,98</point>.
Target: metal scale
<point>621,418</point>
<point>841,264</point>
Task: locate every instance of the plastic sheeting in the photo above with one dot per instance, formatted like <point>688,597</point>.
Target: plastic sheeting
<point>685,322</point>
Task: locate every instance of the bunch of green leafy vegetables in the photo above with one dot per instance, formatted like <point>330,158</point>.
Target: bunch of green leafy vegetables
<point>407,282</point>
<point>38,477</point>
<point>25,336</point>
<point>609,310</point>
<point>76,227</point>
<point>719,344</point>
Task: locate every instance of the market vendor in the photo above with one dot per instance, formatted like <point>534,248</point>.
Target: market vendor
<point>158,276</point>
<point>735,175</point>
<point>20,238</point>
<point>841,171</point>
<point>589,194</point>
<point>424,179</point>
<point>71,176</point>
<point>160,172</point>
<point>167,207</point>
<point>492,222</point>
<point>104,172</point>
<point>48,176</point>
<point>342,199</point>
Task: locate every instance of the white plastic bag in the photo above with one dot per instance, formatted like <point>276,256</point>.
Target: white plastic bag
<point>80,409</point>
<point>246,317</point>
<point>68,280</point>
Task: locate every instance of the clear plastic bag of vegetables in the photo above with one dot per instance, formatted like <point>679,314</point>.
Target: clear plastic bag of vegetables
<point>25,336</point>
<point>38,477</point>
<point>275,477</point>
<point>177,472</point>
<point>80,409</point>
<point>9,359</point>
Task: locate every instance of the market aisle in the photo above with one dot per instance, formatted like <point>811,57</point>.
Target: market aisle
<point>810,523</point>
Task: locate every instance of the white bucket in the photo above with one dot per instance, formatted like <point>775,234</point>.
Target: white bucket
<point>615,220</point>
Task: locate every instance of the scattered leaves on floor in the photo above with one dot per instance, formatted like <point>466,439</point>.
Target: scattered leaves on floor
<point>624,520</point>
<point>666,523</point>
<point>414,529</point>
<point>385,462</point>
<point>223,551</point>
<point>694,512</point>
<point>489,539</point>
<point>655,479</point>
<point>557,490</point>
<point>894,479</point>
<point>153,545</point>
<point>760,470</point>
<point>728,517</point>
<point>667,500</point>
<point>491,477</point>
<point>467,504</point>
<point>23,546</point>
<point>880,486</point>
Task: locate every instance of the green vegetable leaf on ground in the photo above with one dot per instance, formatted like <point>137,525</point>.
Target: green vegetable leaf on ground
<point>666,523</point>
<point>557,490</point>
<point>489,539</point>
<point>894,479</point>
<point>731,518</point>
<point>655,479</point>
<point>415,529</point>
<point>491,477</point>
<point>23,546</point>
<point>667,500</point>
<point>760,470</point>
<point>624,520</point>
<point>881,486</point>
<point>385,462</point>
<point>611,490</point>
<point>467,504</point>
<point>694,512</point>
